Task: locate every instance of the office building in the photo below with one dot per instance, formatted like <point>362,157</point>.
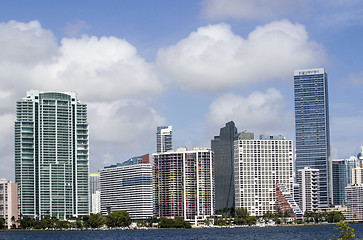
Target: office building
<point>128,186</point>
<point>183,183</point>
<point>308,180</point>
<point>223,146</point>
<point>339,181</point>
<point>164,139</point>
<point>312,127</point>
<point>9,202</point>
<point>51,155</point>
<point>352,162</point>
<point>259,165</point>
<point>94,193</point>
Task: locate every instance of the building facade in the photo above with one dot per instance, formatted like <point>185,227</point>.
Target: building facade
<point>259,165</point>
<point>354,202</point>
<point>312,126</point>
<point>164,139</point>
<point>286,203</point>
<point>128,186</point>
<point>51,155</point>
<point>352,162</point>
<point>339,181</point>
<point>223,148</point>
<point>183,183</point>
<point>94,193</point>
<point>9,202</point>
<point>308,180</point>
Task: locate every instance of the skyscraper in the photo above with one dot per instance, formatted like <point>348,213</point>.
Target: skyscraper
<point>51,155</point>
<point>339,181</point>
<point>312,126</point>
<point>183,183</point>
<point>259,165</point>
<point>223,146</point>
<point>94,193</point>
<point>164,139</point>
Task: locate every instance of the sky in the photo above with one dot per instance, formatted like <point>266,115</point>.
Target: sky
<point>195,65</point>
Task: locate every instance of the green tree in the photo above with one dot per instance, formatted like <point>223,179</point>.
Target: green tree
<point>2,223</point>
<point>241,216</point>
<point>334,216</point>
<point>94,220</point>
<point>118,219</point>
<point>346,232</point>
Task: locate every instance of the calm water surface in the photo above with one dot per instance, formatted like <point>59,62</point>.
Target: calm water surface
<point>291,232</point>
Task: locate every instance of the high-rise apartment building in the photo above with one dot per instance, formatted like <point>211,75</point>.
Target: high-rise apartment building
<point>339,181</point>
<point>51,155</point>
<point>9,202</point>
<point>354,202</point>
<point>223,146</point>
<point>128,186</point>
<point>308,180</point>
<point>94,193</point>
<point>352,162</point>
<point>357,176</point>
<point>259,165</point>
<point>184,183</point>
<point>312,126</point>
<point>164,139</point>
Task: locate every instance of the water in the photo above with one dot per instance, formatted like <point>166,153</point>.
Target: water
<point>290,232</point>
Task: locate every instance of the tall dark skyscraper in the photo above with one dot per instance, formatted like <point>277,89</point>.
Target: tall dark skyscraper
<point>223,148</point>
<point>312,126</point>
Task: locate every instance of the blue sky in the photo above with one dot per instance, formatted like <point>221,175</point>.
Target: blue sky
<point>192,64</point>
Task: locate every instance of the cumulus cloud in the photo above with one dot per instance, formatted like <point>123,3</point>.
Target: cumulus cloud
<point>214,58</point>
<point>259,112</point>
<point>107,73</point>
<point>248,9</point>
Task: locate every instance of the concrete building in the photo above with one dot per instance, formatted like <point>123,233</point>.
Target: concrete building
<point>9,202</point>
<point>339,180</point>
<point>259,165</point>
<point>94,193</point>
<point>164,139</point>
<point>357,176</point>
<point>223,146</point>
<point>128,186</point>
<point>183,183</point>
<point>312,127</point>
<point>308,180</point>
<point>354,202</point>
<point>286,203</point>
<point>51,155</point>
<point>352,162</point>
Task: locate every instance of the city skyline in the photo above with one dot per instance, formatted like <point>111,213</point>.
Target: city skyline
<point>193,65</point>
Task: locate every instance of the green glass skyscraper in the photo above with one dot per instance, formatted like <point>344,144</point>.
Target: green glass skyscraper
<point>312,126</point>
<point>51,155</point>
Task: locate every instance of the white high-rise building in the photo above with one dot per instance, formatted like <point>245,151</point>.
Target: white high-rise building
<point>164,139</point>
<point>352,162</point>
<point>128,186</point>
<point>259,165</point>
<point>308,180</point>
<point>94,193</point>
<point>51,155</point>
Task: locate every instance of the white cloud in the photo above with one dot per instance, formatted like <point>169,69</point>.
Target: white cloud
<point>259,112</point>
<point>355,79</point>
<point>214,58</point>
<point>248,9</point>
<point>107,73</point>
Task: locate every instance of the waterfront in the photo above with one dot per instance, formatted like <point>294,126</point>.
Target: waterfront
<point>290,232</point>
